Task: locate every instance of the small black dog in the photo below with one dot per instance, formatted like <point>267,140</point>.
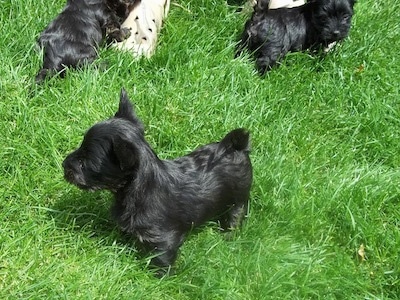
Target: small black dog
<point>73,37</point>
<point>271,33</point>
<point>160,201</point>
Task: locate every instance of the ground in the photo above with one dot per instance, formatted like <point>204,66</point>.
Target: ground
<point>324,216</point>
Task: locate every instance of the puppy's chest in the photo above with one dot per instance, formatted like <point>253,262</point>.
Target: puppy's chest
<point>148,234</point>
<point>139,221</point>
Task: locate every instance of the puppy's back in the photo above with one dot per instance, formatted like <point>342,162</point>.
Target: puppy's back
<point>71,39</point>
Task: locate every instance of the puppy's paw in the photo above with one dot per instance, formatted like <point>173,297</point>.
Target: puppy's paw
<point>125,33</point>
<point>163,272</point>
<point>118,35</point>
<point>330,47</point>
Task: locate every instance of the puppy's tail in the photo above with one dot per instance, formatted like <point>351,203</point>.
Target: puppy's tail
<point>236,140</point>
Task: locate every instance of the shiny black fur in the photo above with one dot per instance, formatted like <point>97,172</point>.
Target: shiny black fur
<point>73,37</point>
<point>271,33</point>
<point>160,201</point>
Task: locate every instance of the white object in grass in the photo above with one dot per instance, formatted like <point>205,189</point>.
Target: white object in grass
<point>273,4</point>
<point>144,22</point>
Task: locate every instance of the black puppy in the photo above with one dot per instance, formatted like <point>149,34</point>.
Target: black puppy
<point>73,37</point>
<point>271,33</point>
<point>160,201</point>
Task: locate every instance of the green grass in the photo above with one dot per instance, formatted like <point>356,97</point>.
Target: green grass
<point>325,151</point>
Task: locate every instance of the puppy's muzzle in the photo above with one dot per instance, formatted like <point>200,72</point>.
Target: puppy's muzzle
<point>69,175</point>
<point>72,175</point>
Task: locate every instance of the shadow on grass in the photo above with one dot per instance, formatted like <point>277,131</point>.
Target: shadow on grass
<point>79,210</point>
<point>90,215</point>
<point>91,212</point>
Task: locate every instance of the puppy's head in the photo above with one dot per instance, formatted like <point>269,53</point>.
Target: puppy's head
<point>332,18</point>
<point>120,7</point>
<point>107,157</point>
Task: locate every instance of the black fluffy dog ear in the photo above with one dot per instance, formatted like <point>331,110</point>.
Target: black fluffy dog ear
<point>126,111</point>
<point>261,6</point>
<point>125,152</point>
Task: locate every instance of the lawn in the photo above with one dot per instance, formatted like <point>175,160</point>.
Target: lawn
<point>324,217</point>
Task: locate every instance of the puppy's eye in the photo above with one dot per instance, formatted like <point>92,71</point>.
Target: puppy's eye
<point>81,164</point>
<point>345,18</point>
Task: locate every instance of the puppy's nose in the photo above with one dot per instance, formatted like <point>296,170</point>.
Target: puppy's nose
<point>336,33</point>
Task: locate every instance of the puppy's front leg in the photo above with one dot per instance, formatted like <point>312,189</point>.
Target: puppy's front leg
<point>267,59</point>
<point>163,260</point>
<point>114,31</point>
<point>166,252</point>
<point>117,35</point>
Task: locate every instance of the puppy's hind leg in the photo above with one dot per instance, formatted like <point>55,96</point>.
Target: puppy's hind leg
<point>46,73</point>
<point>51,66</point>
<point>234,217</point>
<point>237,215</point>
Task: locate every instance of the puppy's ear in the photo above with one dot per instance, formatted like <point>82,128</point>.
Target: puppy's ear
<point>125,153</point>
<point>126,111</point>
<point>262,5</point>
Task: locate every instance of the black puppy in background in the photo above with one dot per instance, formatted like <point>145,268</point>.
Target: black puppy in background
<point>271,33</point>
<point>160,201</point>
<point>73,37</point>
